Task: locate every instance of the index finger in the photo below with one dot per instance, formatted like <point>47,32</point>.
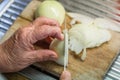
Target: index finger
<point>45,21</point>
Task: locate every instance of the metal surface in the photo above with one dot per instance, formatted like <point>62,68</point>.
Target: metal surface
<point>2,77</point>
<point>1,1</point>
<point>113,72</point>
<point>93,8</point>
<point>35,74</point>
<point>9,11</point>
<point>66,46</point>
<point>4,5</point>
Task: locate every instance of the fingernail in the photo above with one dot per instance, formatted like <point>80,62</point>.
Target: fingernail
<point>62,36</point>
<point>53,57</point>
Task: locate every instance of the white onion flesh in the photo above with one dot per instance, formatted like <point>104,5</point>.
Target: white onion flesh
<point>83,36</point>
<point>84,54</point>
<point>61,48</point>
<point>99,22</point>
<point>106,24</point>
<point>58,47</point>
<point>80,18</point>
<point>89,36</point>
<point>51,9</point>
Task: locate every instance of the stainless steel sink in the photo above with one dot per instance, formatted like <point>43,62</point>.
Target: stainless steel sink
<point>9,11</point>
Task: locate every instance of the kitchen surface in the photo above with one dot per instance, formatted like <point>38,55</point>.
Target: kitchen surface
<point>101,63</point>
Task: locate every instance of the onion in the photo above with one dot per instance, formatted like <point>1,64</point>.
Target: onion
<point>106,24</point>
<point>99,22</point>
<point>61,48</point>
<point>82,36</point>
<point>58,47</point>
<point>51,9</point>
<point>89,34</point>
<point>80,18</point>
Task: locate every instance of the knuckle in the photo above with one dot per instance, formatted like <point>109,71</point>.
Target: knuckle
<point>20,33</point>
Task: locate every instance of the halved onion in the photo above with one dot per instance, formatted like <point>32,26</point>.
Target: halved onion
<point>51,9</point>
<point>58,47</point>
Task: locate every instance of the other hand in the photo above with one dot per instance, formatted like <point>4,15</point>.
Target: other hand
<point>65,75</point>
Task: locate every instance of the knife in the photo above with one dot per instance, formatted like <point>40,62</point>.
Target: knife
<point>65,46</point>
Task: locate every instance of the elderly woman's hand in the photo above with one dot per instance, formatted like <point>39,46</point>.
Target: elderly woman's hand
<point>18,51</point>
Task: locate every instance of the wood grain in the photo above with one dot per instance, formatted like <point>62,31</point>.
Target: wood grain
<point>15,76</point>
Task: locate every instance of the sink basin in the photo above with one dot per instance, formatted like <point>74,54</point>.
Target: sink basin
<point>4,4</point>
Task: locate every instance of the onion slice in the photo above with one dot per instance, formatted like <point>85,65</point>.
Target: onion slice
<point>80,18</point>
<point>82,36</point>
<point>106,24</point>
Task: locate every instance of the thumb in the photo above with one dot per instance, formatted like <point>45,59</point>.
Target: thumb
<point>44,55</point>
<point>65,75</point>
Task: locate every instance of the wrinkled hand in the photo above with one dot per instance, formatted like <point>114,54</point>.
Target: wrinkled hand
<point>65,75</point>
<point>18,51</point>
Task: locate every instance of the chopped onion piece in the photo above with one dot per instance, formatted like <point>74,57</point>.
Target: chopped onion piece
<point>84,54</point>
<point>58,47</point>
<point>80,18</point>
<point>106,24</point>
<point>83,36</point>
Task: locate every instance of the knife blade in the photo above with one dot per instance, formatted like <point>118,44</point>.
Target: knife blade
<point>65,45</point>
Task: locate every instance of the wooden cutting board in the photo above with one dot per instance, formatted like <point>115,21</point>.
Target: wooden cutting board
<point>94,67</point>
<point>97,61</point>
